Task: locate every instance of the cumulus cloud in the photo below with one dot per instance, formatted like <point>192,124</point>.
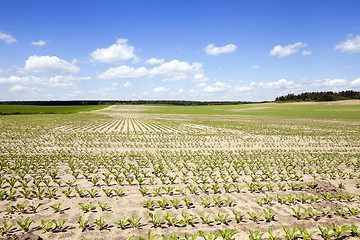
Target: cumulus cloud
<point>330,82</point>
<point>349,46</point>
<point>128,84</point>
<point>212,50</point>
<point>176,70</point>
<point>243,88</point>
<point>116,53</point>
<point>283,51</point>
<point>39,43</point>
<point>7,38</point>
<point>217,87</point>
<point>160,89</point>
<point>281,83</point>
<point>355,83</point>
<point>124,72</point>
<point>51,64</point>
<point>18,88</point>
<point>155,61</point>
<point>306,53</point>
<point>255,67</point>
<point>55,81</point>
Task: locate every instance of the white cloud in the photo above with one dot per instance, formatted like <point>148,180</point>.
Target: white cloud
<point>255,67</point>
<point>200,85</point>
<point>280,84</point>
<point>283,51</point>
<point>18,88</point>
<point>124,72</point>
<point>50,64</point>
<point>355,83</point>
<point>116,53</point>
<point>39,43</point>
<point>217,87</point>
<point>212,50</point>
<point>155,61</point>
<point>7,38</point>
<point>243,88</point>
<point>330,82</point>
<point>160,89</point>
<point>56,81</point>
<point>306,53</point>
<point>176,70</point>
<point>349,46</point>
<point>128,84</point>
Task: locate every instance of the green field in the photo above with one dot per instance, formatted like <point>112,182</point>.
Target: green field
<point>284,110</point>
<point>31,109</point>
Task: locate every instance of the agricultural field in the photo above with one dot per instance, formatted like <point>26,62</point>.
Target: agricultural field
<point>255,171</point>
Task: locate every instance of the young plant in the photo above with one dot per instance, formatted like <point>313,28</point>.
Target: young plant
<point>80,191</point>
<point>149,204</point>
<point>273,236</point>
<point>46,226</point>
<point>135,222</point>
<point>25,225</point>
<point>155,220</point>
<point>56,207</point>
<point>119,192</point>
<point>6,227</point>
<point>305,234</point>
<point>163,204</point>
<point>337,230</point>
<point>222,218</point>
<point>205,202</point>
<point>187,219</point>
<point>108,192</point>
<point>175,203</point>
<point>291,234</point>
<point>143,190</point>
<point>297,213</point>
<point>171,220</point>
<point>86,207</point>
<point>59,225</point>
<point>103,206</point>
<point>122,223</point>
<point>21,208</point>
<point>35,208</point>
<point>227,234</point>
<point>92,192</point>
<point>255,235</point>
<point>205,219</point>
<point>67,192</point>
<point>269,215</point>
<point>254,217</point>
<point>238,216</point>
<point>101,222</point>
<point>83,223</point>
<point>188,202</point>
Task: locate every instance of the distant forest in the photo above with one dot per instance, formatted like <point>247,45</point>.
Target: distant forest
<point>112,102</point>
<point>319,96</point>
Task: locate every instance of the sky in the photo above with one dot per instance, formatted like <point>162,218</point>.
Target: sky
<point>177,50</point>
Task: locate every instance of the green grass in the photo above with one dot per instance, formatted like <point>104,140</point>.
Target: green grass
<point>32,109</point>
<point>316,111</point>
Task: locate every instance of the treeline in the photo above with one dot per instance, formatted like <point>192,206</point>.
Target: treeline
<point>113,102</point>
<point>320,96</point>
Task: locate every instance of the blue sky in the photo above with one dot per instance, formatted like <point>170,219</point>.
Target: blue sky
<point>183,50</point>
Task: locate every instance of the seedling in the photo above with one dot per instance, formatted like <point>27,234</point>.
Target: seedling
<point>35,208</point>
<point>205,202</point>
<point>46,226</point>
<point>80,191</point>
<point>230,202</point>
<point>6,227</point>
<point>218,201</point>
<point>306,235</point>
<point>56,207</point>
<point>119,192</point>
<point>149,204</point>
<point>26,224</point>
<point>135,222</point>
<point>187,219</point>
<point>273,236</point>
<point>86,207</point>
<point>171,220</point>
<point>205,219</point>
<point>150,237</point>
<point>254,217</point>
<point>175,203</point>
<point>103,206</point>
<point>143,190</point>
<point>108,192</point>
<point>211,235</point>
<point>188,202</point>
<point>19,207</point>
<point>163,204</point>
<point>227,234</point>
<point>297,213</point>
<point>270,215</point>
<point>83,223</point>
<point>238,216</point>
<point>291,234</point>
<point>51,192</point>
<point>67,192</point>
<point>155,220</point>
<point>326,212</point>
<point>222,218</point>
<point>255,235</point>
<point>101,222</point>
<point>92,192</point>
<point>122,223</point>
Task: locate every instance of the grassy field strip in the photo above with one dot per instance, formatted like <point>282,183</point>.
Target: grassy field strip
<point>118,126</point>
